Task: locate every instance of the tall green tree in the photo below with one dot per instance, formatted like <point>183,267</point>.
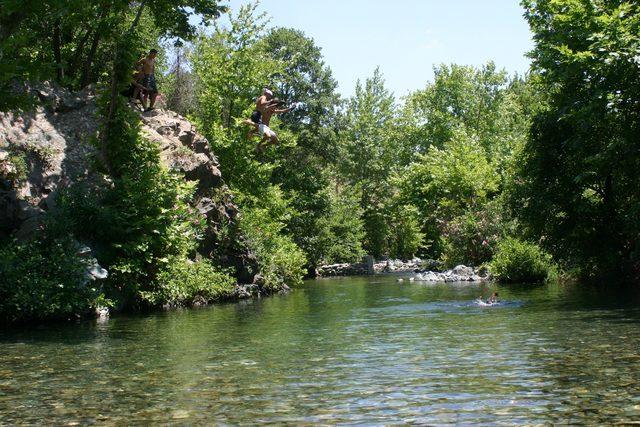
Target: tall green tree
<point>231,68</point>
<point>577,186</point>
<point>304,171</point>
<point>459,96</point>
<point>369,156</point>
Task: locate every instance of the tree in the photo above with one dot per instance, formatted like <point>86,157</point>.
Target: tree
<point>303,172</point>
<point>459,96</point>
<point>577,186</point>
<point>232,67</point>
<point>180,83</point>
<point>370,156</point>
<point>447,181</point>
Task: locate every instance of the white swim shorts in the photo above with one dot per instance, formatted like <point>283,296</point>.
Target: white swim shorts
<point>265,130</point>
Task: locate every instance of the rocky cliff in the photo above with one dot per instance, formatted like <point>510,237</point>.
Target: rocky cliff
<point>44,151</point>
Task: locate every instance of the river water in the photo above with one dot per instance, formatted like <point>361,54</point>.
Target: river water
<point>339,351</point>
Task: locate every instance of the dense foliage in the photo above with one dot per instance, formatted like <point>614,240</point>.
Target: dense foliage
<point>44,278</point>
<point>477,167</point>
<point>517,261</point>
<point>579,171</point>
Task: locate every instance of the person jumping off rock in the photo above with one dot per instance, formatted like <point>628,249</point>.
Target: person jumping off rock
<point>266,107</point>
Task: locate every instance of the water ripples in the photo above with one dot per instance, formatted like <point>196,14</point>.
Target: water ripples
<point>339,352</point>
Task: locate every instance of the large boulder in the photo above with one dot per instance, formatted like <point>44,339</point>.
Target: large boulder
<point>182,148</point>
<point>42,150</point>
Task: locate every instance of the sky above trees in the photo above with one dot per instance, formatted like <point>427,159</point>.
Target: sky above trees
<point>406,38</point>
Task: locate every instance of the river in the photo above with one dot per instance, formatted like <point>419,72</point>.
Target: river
<point>339,351</point>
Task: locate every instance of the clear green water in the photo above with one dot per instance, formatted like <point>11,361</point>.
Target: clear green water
<point>341,351</point>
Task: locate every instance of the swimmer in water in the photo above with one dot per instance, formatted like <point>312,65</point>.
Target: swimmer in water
<point>493,298</point>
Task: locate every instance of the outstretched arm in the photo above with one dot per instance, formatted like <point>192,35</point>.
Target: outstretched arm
<point>284,110</point>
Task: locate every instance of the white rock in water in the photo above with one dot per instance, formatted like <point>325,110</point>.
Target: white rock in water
<point>102,312</point>
<point>98,272</point>
<point>462,270</point>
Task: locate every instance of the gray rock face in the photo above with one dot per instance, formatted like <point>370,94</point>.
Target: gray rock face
<point>365,267</point>
<point>344,269</point>
<point>182,148</point>
<point>93,270</point>
<point>41,151</point>
<point>398,266</point>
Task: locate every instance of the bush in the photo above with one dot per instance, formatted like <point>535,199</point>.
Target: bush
<point>42,279</point>
<point>281,261</point>
<point>405,236</point>
<point>183,282</point>
<point>472,238</point>
<point>518,261</point>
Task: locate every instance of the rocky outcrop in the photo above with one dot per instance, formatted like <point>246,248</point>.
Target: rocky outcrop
<point>459,273</point>
<point>422,268</point>
<point>51,147</point>
<point>186,151</point>
<point>400,266</point>
<point>42,150</point>
<point>183,149</point>
<point>343,269</point>
<point>364,268</point>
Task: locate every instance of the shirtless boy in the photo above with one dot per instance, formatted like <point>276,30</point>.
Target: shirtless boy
<point>148,64</point>
<point>266,106</point>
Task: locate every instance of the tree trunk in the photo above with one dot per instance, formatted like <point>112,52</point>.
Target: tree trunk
<point>56,51</point>
<point>114,86</point>
<point>134,24</point>
<point>73,66</point>
<point>86,67</point>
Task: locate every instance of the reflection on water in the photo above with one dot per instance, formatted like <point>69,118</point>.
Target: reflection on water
<point>339,351</point>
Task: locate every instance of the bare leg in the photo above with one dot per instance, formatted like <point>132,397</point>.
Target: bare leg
<point>154,95</point>
<point>273,139</point>
<point>262,144</point>
<point>252,130</point>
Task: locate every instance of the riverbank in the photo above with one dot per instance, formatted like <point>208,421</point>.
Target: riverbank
<point>423,270</point>
<point>78,235</point>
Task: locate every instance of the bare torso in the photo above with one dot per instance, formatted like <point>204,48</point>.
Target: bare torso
<point>261,103</point>
<point>266,115</point>
<point>148,65</point>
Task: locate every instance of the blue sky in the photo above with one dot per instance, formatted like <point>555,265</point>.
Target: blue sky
<point>406,38</point>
